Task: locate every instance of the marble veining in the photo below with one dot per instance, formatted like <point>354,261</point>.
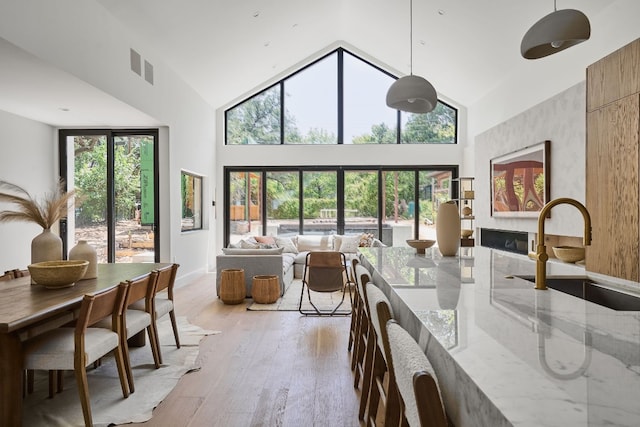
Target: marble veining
<point>505,353</point>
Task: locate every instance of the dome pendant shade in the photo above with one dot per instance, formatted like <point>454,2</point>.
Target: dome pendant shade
<point>413,94</point>
<point>557,31</point>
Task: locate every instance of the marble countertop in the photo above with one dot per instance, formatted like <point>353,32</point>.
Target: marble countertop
<point>505,353</point>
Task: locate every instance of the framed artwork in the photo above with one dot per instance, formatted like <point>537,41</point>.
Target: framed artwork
<point>520,182</point>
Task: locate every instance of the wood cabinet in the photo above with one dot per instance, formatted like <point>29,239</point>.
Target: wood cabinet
<point>612,163</point>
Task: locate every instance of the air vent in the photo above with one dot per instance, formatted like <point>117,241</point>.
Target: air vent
<point>148,72</point>
<point>136,62</point>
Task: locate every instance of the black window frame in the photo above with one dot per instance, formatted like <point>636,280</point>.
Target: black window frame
<point>340,107</point>
<point>263,170</point>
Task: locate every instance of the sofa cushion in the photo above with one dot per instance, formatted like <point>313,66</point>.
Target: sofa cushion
<point>315,243</point>
<point>286,244</point>
<point>241,251</point>
<point>287,261</point>
<point>349,244</point>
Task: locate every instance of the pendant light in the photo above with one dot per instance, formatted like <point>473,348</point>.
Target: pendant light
<point>413,94</point>
<point>557,31</point>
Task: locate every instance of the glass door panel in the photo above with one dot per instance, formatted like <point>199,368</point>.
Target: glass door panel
<point>399,207</point>
<point>245,212</point>
<point>283,203</point>
<point>320,202</point>
<point>434,188</point>
<point>134,199</point>
<point>88,161</point>
<point>361,202</point>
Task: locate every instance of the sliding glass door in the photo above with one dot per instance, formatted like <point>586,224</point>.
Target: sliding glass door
<point>114,175</point>
<point>393,204</point>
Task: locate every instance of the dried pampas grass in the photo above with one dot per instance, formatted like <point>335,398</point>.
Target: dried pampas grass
<point>45,211</point>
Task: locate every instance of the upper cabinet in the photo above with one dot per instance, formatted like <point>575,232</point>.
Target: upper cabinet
<point>614,77</point>
<point>612,164</point>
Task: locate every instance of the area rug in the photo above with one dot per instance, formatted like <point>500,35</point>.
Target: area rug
<point>291,298</point>
<point>107,404</point>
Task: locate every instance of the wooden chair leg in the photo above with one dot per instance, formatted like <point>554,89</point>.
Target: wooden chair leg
<point>174,325</point>
<point>366,377</point>
<point>127,364</point>
<point>122,371</point>
<point>52,384</point>
<point>83,391</point>
<point>374,388</point>
<point>155,348</point>
<point>60,380</point>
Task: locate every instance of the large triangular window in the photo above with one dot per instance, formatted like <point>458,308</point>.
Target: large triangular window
<point>338,99</point>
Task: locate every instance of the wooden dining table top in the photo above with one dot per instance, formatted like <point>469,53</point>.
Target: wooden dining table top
<point>23,304</point>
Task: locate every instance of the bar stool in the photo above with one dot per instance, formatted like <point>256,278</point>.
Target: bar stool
<point>377,363</point>
<point>420,400</point>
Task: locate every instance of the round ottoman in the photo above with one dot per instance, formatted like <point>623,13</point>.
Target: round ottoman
<point>265,289</point>
<point>232,287</point>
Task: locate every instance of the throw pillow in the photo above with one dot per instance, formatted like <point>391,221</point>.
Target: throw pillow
<point>286,244</point>
<point>246,244</point>
<point>366,240</point>
<point>267,240</point>
<point>350,243</point>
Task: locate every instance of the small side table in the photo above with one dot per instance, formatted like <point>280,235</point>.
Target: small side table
<point>232,287</point>
<point>265,289</point>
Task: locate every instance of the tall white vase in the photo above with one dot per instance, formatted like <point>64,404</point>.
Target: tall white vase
<point>46,246</point>
<point>448,229</point>
<point>86,252</point>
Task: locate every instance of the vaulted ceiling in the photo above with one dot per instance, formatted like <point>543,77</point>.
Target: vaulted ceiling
<point>224,49</point>
<point>227,49</point>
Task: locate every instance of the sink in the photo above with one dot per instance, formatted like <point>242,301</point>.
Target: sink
<point>589,290</point>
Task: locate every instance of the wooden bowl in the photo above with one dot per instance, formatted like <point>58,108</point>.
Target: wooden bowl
<point>58,274</point>
<point>420,245</point>
<point>569,253</point>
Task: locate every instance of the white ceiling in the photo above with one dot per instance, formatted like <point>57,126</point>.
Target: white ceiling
<point>227,49</point>
<point>223,50</point>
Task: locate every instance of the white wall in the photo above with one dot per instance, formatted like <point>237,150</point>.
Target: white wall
<point>562,120</point>
<point>28,160</point>
<point>537,80</point>
<point>82,38</point>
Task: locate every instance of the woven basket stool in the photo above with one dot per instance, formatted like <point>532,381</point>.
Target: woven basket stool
<point>265,289</point>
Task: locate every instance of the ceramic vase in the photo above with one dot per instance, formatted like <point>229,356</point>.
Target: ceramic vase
<point>448,229</point>
<point>46,246</point>
<point>86,252</point>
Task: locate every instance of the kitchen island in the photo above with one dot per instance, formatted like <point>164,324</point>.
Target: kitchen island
<point>505,353</point>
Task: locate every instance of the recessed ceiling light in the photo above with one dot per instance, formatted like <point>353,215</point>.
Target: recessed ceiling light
<point>422,42</point>
<point>294,25</point>
<point>65,109</point>
<point>440,12</point>
<point>256,13</point>
<point>266,44</point>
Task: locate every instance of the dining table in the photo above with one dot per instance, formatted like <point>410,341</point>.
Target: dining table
<point>27,310</point>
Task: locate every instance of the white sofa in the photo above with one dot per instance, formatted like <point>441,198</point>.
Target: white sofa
<point>283,256</point>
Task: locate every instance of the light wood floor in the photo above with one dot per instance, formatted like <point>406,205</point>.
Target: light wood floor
<point>264,369</point>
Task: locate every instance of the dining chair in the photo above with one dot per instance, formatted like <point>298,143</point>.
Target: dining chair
<point>420,400</point>
<point>377,365</point>
<point>325,271</point>
<point>74,348</point>
<point>135,321</point>
<point>162,303</point>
